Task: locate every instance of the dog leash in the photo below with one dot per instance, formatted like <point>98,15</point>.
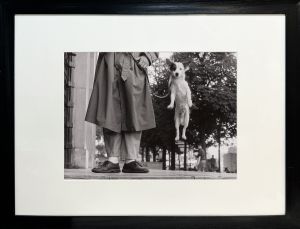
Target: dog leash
<point>146,73</point>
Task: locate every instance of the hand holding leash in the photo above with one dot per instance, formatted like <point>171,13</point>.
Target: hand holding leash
<point>143,62</point>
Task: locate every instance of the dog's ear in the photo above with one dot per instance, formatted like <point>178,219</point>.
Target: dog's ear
<point>171,65</point>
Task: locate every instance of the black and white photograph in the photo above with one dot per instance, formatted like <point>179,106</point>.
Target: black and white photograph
<point>150,115</point>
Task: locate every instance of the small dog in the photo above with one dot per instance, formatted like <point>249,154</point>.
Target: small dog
<point>180,94</point>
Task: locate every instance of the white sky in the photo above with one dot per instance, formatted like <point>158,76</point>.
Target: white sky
<point>164,55</point>
<point>213,150</point>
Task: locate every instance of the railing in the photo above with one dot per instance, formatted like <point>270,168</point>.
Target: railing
<point>177,145</point>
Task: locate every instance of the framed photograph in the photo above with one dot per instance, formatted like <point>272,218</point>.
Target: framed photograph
<point>152,109</point>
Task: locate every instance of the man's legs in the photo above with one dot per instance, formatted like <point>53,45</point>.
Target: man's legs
<point>129,142</point>
<point>131,145</point>
<point>112,142</point>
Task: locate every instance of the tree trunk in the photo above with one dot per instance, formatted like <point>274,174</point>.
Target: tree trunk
<point>203,145</point>
<point>219,146</point>
<point>147,154</point>
<point>219,155</point>
<point>143,149</point>
<point>154,154</point>
<point>203,160</point>
<point>164,159</point>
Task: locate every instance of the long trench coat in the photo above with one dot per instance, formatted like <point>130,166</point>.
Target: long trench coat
<point>120,99</point>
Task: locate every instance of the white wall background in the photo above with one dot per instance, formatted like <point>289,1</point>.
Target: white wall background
<point>40,42</point>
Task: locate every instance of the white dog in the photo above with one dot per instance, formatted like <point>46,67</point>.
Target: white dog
<point>180,94</point>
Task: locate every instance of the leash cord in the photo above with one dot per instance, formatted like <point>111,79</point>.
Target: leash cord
<point>146,73</point>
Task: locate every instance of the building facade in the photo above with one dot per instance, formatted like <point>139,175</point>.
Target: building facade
<point>230,160</point>
<point>80,136</point>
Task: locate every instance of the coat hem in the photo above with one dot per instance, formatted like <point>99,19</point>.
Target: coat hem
<point>119,130</point>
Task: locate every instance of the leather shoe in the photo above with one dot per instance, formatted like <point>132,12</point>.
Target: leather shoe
<point>107,167</point>
<point>134,167</point>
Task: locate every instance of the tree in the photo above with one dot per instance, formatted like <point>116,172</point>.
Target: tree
<point>212,79</point>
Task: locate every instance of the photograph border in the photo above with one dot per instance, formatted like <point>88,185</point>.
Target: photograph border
<point>290,9</point>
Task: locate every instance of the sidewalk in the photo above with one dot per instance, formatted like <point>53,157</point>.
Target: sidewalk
<point>153,174</point>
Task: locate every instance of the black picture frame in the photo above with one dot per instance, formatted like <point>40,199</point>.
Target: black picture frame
<point>290,9</point>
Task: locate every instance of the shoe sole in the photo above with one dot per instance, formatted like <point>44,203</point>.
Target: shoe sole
<point>110,171</point>
<point>130,171</point>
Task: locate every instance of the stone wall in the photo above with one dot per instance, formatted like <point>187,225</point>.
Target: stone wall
<point>83,133</point>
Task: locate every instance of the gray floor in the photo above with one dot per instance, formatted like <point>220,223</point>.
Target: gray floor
<point>153,174</point>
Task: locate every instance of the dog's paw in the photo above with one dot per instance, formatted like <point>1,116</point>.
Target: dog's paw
<point>177,138</point>
<point>171,106</point>
<point>183,137</point>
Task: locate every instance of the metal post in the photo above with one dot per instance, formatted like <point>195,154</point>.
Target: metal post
<point>173,156</point>
<point>219,155</point>
<point>185,156</point>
